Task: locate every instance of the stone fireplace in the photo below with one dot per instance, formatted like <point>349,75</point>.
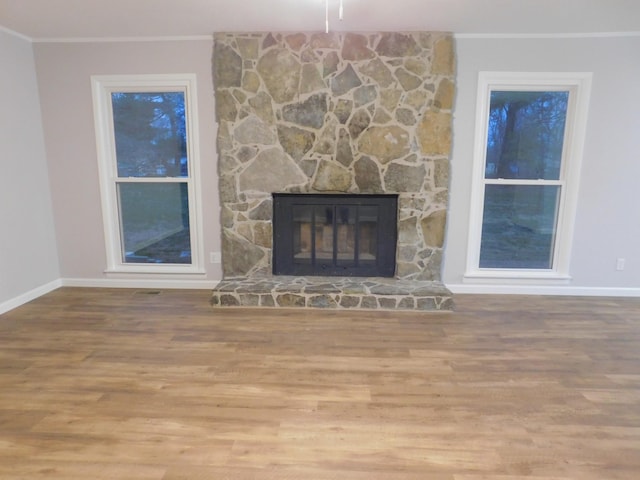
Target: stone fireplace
<point>338,113</point>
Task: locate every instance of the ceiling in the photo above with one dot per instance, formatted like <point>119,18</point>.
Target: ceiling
<point>48,20</point>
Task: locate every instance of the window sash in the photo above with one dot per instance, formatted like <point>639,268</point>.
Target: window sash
<point>528,228</point>
<point>102,88</point>
<point>505,181</point>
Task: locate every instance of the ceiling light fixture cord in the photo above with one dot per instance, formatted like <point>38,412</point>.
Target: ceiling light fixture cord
<point>326,16</point>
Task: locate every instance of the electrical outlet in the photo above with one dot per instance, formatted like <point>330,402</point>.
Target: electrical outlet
<point>620,264</point>
<point>215,257</point>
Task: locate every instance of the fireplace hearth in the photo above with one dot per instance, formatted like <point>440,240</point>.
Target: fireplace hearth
<point>328,116</point>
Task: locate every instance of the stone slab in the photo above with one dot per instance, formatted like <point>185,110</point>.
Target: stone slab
<point>342,293</point>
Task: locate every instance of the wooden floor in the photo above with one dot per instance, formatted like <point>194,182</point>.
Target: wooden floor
<point>123,384</point>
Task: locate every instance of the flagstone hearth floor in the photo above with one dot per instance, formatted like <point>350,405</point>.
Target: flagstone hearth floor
<point>332,292</point>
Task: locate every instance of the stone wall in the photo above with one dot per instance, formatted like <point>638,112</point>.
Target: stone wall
<point>338,112</point>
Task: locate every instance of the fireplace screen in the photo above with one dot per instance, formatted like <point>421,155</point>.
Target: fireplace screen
<point>346,235</point>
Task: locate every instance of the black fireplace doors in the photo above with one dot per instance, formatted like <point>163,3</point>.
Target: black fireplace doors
<point>334,234</point>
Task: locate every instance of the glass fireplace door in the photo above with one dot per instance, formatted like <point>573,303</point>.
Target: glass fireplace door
<point>334,235</point>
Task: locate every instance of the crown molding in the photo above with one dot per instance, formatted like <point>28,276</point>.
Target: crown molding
<point>13,33</point>
<point>191,38</point>
<point>497,36</point>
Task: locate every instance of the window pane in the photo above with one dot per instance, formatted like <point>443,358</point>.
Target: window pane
<point>368,238</point>
<point>525,134</point>
<point>518,227</point>
<point>345,234</point>
<point>303,237</point>
<point>150,134</point>
<point>324,233</point>
<point>155,222</point>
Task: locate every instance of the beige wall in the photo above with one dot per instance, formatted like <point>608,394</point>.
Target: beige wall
<point>64,78</point>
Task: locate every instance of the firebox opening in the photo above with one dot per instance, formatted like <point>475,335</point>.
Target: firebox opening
<point>334,234</point>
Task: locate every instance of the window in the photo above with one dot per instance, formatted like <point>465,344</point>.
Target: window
<point>526,168</point>
<point>148,163</point>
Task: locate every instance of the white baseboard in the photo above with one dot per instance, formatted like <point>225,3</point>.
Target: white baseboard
<point>139,283</point>
<point>105,283</point>
<point>28,296</point>
<point>543,290</point>
<point>211,284</point>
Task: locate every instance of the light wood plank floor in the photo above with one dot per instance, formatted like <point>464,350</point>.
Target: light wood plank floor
<point>123,384</point>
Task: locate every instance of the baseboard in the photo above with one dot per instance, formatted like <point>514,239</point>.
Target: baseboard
<point>140,283</point>
<point>106,283</point>
<point>543,290</point>
<point>211,284</point>
<point>28,296</point>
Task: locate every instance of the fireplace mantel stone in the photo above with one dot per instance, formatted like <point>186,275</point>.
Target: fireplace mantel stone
<point>333,113</point>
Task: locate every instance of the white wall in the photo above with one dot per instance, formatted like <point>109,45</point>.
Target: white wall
<point>28,258</point>
<point>64,76</point>
<point>608,218</point>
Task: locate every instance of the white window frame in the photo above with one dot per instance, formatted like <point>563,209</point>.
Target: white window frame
<point>579,86</point>
<point>102,87</point>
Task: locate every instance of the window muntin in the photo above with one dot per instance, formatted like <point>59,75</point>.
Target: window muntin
<point>148,167</point>
<point>527,159</point>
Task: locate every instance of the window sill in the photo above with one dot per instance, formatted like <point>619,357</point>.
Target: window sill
<point>163,271</point>
<point>520,277</point>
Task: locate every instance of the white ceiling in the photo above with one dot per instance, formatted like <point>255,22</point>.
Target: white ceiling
<point>83,19</point>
